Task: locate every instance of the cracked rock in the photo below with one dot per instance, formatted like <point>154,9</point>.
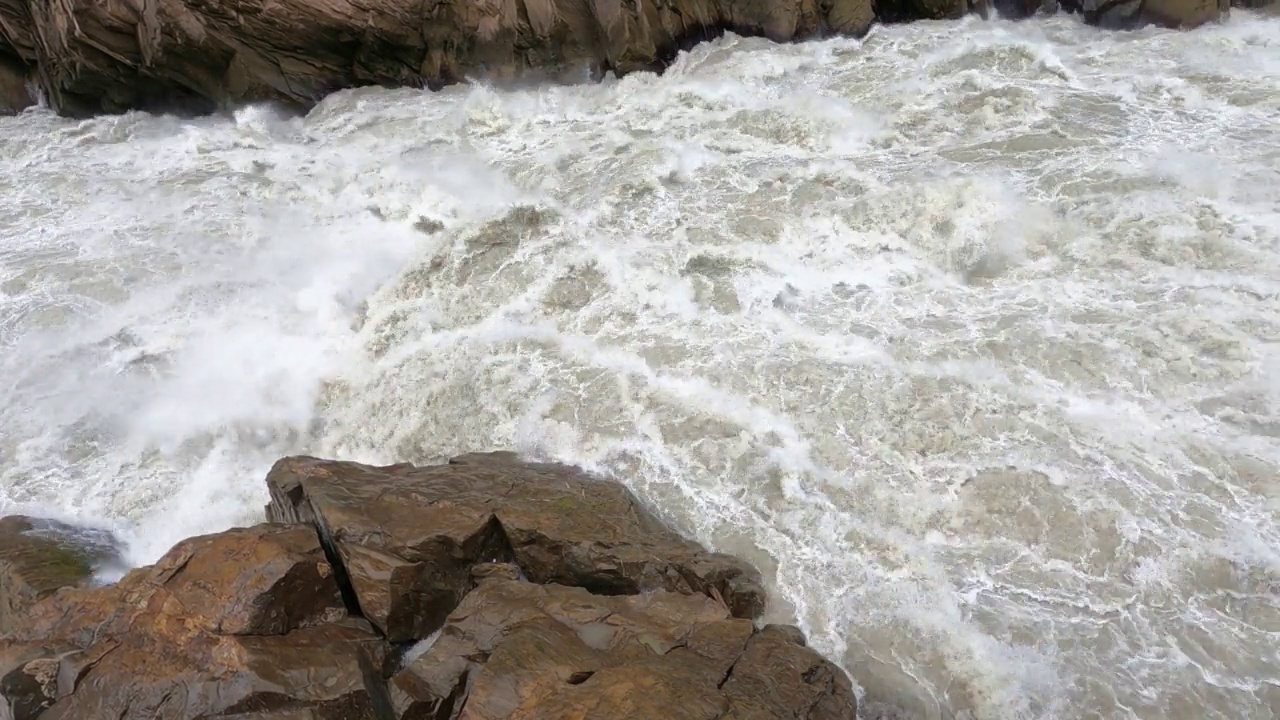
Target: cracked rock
<point>249,619</point>
<point>315,670</point>
<point>517,650</point>
<point>409,536</point>
<point>262,580</point>
<point>484,588</point>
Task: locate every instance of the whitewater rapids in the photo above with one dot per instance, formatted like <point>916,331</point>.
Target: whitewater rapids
<point>968,334</point>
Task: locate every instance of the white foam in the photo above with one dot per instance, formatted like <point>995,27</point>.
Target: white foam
<point>963,332</point>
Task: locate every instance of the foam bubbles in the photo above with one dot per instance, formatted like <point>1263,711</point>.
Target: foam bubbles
<point>964,333</point>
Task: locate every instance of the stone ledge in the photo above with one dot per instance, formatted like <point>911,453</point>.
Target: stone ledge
<point>487,587</point>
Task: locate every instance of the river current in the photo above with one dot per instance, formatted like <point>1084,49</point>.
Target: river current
<point>967,333</point>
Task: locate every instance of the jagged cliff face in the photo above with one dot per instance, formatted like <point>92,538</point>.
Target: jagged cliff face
<point>198,55</point>
<point>92,56</point>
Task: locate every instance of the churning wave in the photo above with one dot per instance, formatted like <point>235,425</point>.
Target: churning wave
<point>968,334</point>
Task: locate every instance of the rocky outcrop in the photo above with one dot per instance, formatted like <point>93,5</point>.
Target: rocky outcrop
<point>487,587</point>
<point>199,55</point>
<point>408,537</point>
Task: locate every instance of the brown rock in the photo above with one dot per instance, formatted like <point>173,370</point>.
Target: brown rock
<point>892,11</point>
<point>850,17</point>
<point>516,650</point>
<point>284,714</point>
<point>1018,9</point>
<point>778,675</point>
<point>409,536</point>
<point>199,55</point>
<point>38,557</point>
<point>316,669</point>
<point>262,580</point>
<point>14,95</point>
<point>248,621</point>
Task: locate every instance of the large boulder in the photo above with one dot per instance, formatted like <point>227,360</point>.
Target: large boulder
<point>261,580</point>
<point>484,588</point>
<point>199,55</point>
<point>516,650</point>
<point>39,556</point>
<point>250,619</point>
<point>408,536</point>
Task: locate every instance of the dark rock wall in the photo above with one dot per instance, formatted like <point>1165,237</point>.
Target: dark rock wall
<point>197,56</point>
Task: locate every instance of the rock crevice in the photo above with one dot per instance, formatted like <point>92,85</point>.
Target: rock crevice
<point>544,592</point>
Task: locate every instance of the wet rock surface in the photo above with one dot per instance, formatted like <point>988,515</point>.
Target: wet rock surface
<point>408,537</point>
<point>513,649</point>
<point>487,587</point>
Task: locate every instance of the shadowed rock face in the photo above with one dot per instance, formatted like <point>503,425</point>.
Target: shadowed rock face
<point>222,622</point>
<point>37,557</point>
<point>14,96</point>
<point>540,592</point>
<point>516,650</point>
<point>201,55</point>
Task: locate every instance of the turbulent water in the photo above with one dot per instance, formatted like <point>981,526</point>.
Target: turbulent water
<point>968,333</point>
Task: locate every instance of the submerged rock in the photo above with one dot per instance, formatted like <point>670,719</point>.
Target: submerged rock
<point>39,557</point>
<point>527,590</point>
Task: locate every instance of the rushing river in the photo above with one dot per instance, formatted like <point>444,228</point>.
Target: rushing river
<point>968,334</point>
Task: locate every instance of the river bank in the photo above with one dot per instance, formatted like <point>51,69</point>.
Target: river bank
<point>191,57</point>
